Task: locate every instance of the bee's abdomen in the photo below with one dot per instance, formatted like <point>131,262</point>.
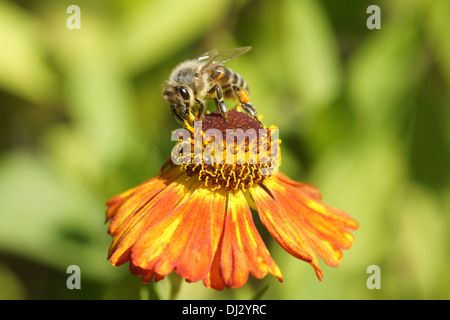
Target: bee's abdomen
<point>226,78</point>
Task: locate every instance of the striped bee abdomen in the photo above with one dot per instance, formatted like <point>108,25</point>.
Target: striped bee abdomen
<point>226,78</point>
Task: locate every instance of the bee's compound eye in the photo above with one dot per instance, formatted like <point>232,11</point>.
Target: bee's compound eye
<point>184,93</point>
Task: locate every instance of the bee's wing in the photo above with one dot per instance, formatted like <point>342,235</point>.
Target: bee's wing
<point>214,58</point>
<point>208,55</point>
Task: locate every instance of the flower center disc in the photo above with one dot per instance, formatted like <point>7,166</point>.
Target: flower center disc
<point>235,154</point>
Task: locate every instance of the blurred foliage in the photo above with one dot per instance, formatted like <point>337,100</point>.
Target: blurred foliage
<point>363,114</point>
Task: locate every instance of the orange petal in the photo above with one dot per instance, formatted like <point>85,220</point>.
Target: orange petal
<point>125,205</point>
<point>242,249</point>
<point>156,209</point>
<point>116,201</point>
<point>181,241</point>
<point>214,279</point>
<point>326,222</point>
<point>303,192</point>
<point>284,230</point>
<point>310,190</point>
<point>322,245</point>
<point>324,229</point>
<point>147,275</point>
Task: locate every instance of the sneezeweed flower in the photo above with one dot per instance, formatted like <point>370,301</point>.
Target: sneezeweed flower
<point>195,217</point>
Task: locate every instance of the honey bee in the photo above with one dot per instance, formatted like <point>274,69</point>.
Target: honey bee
<point>193,80</point>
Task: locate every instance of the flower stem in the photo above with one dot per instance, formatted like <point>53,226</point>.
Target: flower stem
<point>175,287</point>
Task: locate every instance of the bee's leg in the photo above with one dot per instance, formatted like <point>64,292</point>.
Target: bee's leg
<point>218,96</point>
<point>201,108</point>
<point>186,112</point>
<point>243,98</point>
<point>250,109</point>
<point>177,115</point>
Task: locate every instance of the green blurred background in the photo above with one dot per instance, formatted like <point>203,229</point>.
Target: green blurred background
<point>363,115</point>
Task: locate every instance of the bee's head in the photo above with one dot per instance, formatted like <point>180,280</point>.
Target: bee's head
<point>179,97</point>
